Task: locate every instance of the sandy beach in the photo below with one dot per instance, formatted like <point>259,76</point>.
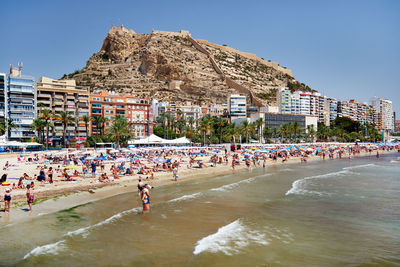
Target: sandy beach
<point>66,194</point>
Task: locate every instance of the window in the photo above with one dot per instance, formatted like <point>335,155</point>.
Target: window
<point>120,106</point>
<point>96,105</point>
<point>96,98</point>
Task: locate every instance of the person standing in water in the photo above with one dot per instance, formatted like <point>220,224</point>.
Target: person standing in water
<point>145,196</point>
<point>29,196</point>
<point>7,200</point>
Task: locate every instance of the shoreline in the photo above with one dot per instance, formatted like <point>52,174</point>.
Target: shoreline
<point>54,200</point>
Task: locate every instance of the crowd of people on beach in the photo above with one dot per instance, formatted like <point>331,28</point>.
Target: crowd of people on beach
<point>148,162</point>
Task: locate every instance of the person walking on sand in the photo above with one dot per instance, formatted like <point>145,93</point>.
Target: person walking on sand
<point>93,165</point>
<point>50,175</point>
<point>7,200</point>
<point>29,196</point>
<point>175,173</point>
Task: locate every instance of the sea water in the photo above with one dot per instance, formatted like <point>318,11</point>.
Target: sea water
<point>330,213</point>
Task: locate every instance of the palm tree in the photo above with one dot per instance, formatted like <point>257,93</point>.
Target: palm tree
<point>65,118</point>
<point>267,132</point>
<point>86,120</point>
<point>210,122</point>
<point>172,125</point>
<point>38,125</point>
<point>97,122</point>
<point>246,128</point>
<point>168,118</point>
<point>10,125</point>
<point>181,124</point>
<point>162,120</point>
<point>285,131</point>
<point>296,129</point>
<point>3,127</point>
<point>191,121</point>
<point>119,129</point>
<point>204,128</point>
<point>46,116</point>
<point>220,123</point>
<point>103,121</point>
<point>259,124</point>
<point>275,132</point>
<point>41,105</point>
<point>311,132</point>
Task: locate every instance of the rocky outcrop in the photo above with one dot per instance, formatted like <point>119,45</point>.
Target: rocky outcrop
<point>174,67</point>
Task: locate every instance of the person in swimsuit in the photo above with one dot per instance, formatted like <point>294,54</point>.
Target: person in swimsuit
<point>145,198</point>
<point>29,196</point>
<point>50,175</point>
<point>7,200</point>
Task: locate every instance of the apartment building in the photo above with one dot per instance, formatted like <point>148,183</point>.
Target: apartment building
<point>137,111</point>
<point>3,87</point>
<point>20,104</point>
<point>284,101</point>
<point>384,107</point>
<point>237,108</point>
<point>333,108</point>
<point>64,96</point>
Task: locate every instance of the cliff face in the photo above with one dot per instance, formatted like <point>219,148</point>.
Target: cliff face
<point>176,68</point>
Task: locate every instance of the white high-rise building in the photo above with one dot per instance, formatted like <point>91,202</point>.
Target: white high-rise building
<point>384,107</point>
<point>21,104</point>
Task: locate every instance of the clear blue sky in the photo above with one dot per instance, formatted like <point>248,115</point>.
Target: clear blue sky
<point>344,49</point>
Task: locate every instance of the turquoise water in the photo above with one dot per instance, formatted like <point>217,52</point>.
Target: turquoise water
<point>331,213</point>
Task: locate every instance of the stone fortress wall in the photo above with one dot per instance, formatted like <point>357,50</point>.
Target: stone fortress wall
<point>229,82</point>
<point>183,33</point>
<point>251,56</point>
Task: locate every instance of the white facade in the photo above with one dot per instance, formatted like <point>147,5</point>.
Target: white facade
<point>237,106</point>
<point>384,106</point>
<point>21,104</point>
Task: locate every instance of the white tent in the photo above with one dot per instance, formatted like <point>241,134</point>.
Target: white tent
<point>154,139</point>
<point>179,141</point>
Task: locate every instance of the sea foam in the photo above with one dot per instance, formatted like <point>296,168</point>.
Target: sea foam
<point>185,197</point>
<point>85,230</point>
<point>46,249</point>
<point>233,185</point>
<point>359,166</point>
<point>53,248</point>
<point>298,185</point>
<point>229,239</point>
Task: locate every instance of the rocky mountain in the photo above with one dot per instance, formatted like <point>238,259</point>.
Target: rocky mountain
<point>174,67</point>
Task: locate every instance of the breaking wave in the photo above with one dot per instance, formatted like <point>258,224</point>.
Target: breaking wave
<point>53,248</point>
<point>359,166</point>
<point>185,197</point>
<point>46,249</point>
<point>233,185</point>
<point>229,239</point>
<point>298,185</point>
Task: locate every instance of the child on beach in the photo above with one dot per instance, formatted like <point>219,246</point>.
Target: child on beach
<point>7,200</point>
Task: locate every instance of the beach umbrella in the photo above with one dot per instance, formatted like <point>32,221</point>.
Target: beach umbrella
<point>238,151</point>
<point>199,158</point>
<point>72,167</point>
<point>121,159</point>
<point>101,158</point>
<point>90,158</point>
